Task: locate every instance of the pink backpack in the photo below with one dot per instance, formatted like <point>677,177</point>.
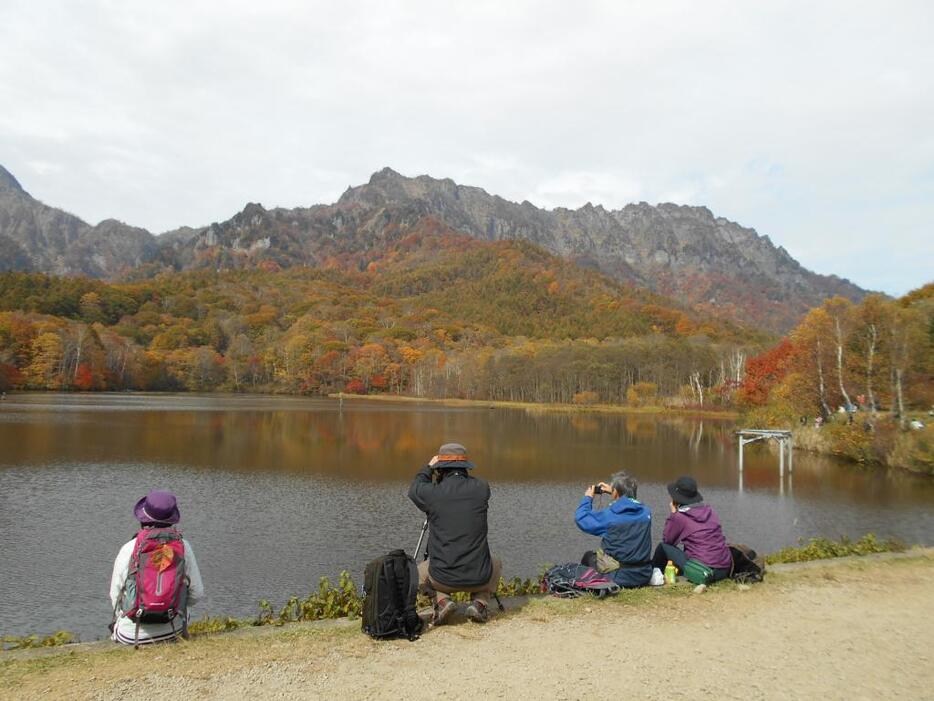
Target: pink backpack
<point>156,588</point>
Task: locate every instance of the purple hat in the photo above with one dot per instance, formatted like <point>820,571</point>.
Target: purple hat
<point>157,507</point>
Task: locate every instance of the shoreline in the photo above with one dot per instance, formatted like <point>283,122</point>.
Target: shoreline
<point>511,603</point>
<point>726,415</point>
<point>544,406</point>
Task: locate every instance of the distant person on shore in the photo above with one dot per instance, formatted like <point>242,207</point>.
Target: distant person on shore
<point>155,577</point>
<point>625,529</point>
<point>696,527</point>
<point>459,558</point>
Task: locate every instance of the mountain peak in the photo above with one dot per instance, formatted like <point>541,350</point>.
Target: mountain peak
<point>8,183</point>
<point>385,174</point>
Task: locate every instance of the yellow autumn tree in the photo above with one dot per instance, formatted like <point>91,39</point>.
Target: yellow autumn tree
<point>45,369</point>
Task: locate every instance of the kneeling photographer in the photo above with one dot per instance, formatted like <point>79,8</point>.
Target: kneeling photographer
<point>459,559</point>
<point>625,527</point>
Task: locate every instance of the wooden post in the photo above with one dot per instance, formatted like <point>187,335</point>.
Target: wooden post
<point>790,453</point>
<point>741,453</point>
<point>781,457</point>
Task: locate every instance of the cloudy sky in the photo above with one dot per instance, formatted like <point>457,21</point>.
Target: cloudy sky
<point>811,122</point>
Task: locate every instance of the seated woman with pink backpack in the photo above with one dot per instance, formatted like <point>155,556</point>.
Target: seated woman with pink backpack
<point>155,577</point>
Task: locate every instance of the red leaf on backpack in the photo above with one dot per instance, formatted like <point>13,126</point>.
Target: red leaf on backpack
<point>162,557</point>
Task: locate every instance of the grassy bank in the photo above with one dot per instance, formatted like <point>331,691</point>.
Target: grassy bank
<point>884,444</point>
<point>344,600</point>
<point>826,549</point>
<point>328,602</point>
<point>871,439</point>
<point>546,407</point>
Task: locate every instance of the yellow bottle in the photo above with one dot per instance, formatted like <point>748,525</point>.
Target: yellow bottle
<point>671,572</point>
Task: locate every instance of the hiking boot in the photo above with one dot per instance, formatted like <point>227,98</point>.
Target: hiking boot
<point>444,607</point>
<point>658,579</point>
<point>478,612</point>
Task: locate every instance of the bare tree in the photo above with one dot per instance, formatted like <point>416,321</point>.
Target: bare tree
<point>822,393</point>
<point>906,335</point>
<point>697,389</point>
<point>870,357</point>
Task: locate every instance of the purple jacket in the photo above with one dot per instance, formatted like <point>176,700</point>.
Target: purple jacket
<point>699,529</point>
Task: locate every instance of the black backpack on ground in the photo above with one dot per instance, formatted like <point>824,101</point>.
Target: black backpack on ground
<point>390,585</point>
<point>748,566</point>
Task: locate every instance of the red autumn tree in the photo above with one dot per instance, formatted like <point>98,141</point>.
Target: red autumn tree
<point>355,387</point>
<point>10,376</point>
<point>765,371</point>
<point>84,377</point>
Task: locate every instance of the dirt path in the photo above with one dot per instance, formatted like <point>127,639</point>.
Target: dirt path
<point>855,630</point>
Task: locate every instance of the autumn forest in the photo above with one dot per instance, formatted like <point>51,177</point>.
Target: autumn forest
<point>442,315</point>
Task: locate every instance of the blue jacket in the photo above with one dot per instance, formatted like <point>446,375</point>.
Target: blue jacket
<point>626,530</point>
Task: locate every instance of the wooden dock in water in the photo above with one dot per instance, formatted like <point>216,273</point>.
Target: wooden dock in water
<point>751,435</point>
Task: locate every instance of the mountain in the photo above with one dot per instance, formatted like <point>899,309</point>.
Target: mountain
<point>36,237</point>
<point>706,262</point>
<point>685,252</point>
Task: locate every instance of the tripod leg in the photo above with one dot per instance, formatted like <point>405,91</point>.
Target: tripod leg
<point>421,538</point>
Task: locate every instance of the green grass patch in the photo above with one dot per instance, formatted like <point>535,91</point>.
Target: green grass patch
<point>824,548</point>
<point>26,642</point>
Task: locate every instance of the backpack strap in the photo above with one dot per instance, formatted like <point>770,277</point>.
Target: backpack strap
<point>397,566</point>
<point>559,581</point>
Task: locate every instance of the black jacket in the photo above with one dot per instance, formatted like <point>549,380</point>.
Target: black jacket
<point>458,552</point>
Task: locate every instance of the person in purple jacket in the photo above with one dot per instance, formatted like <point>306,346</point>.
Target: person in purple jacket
<point>696,527</point>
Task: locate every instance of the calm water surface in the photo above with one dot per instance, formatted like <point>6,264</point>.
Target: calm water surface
<point>277,492</point>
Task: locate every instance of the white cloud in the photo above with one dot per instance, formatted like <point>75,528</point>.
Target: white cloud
<point>42,168</point>
<point>809,122</point>
<point>571,188</point>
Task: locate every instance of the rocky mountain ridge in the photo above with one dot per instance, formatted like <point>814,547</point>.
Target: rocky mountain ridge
<point>685,252</point>
<point>38,238</point>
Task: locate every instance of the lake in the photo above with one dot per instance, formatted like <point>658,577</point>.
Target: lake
<point>276,492</point>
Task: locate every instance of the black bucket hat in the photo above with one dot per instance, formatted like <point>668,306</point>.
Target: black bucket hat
<point>453,455</point>
<point>684,491</point>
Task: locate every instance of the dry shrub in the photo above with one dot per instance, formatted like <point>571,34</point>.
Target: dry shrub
<point>585,398</point>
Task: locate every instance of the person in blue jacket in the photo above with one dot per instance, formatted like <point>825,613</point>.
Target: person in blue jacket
<point>625,527</point>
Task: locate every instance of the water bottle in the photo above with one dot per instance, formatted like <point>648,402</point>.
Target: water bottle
<point>671,572</point>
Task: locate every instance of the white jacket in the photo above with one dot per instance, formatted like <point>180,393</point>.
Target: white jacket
<point>125,629</point>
